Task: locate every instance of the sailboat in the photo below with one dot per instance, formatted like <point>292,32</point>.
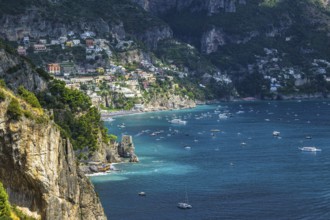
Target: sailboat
<point>184,205</point>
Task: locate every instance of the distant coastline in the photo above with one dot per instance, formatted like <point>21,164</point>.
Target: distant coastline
<point>107,114</point>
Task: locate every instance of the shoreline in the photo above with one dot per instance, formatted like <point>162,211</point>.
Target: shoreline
<point>90,173</point>
<point>107,114</point>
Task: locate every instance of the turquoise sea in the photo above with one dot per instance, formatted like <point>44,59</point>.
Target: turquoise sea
<point>231,168</point>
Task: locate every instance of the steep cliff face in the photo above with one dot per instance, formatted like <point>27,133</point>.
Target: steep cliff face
<point>212,39</point>
<point>39,172</point>
<point>17,72</point>
<point>37,25</point>
<point>216,37</point>
<point>104,18</point>
<point>152,36</point>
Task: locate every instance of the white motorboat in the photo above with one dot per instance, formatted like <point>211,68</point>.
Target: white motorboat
<point>187,147</point>
<point>178,121</point>
<point>109,119</point>
<point>310,149</point>
<point>276,133</point>
<point>142,194</point>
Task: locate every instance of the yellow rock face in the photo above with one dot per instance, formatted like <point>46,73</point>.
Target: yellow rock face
<point>14,127</point>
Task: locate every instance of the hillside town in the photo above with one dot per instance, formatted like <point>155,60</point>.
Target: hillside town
<point>94,77</point>
<point>88,63</point>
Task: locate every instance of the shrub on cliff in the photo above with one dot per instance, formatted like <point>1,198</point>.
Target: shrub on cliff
<point>2,83</point>
<point>14,110</point>
<point>74,113</point>
<point>29,97</point>
<point>4,204</point>
<point>2,96</point>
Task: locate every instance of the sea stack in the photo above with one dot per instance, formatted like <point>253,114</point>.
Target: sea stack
<point>126,149</point>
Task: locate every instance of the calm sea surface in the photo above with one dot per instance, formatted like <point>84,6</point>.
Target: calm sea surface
<point>231,168</point>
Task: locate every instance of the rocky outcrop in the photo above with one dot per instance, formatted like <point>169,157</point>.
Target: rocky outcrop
<point>17,72</point>
<point>37,25</point>
<point>126,149</point>
<point>169,102</point>
<point>216,37</point>
<point>152,36</point>
<point>106,153</point>
<point>132,56</point>
<point>212,39</point>
<point>211,6</point>
<point>39,171</point>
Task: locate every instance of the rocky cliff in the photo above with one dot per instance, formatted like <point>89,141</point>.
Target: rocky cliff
<point>107,19</point>
<point>39,171</point>
<point>35,24</point>
<point>18,72</point>
<point>168,102</point>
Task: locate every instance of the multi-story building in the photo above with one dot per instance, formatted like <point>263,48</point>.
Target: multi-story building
<point>54,68</point>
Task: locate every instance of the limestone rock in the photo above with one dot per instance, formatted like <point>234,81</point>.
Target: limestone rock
<point>126,149</point>
<point>17,72</point>
<point>134,159</point>
<point>39,172</point>
<point>172,101</point>
<point>212,39</point>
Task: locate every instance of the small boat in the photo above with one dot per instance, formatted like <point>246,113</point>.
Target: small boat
<point>187,147</point>
<point>308,137</point>
<point>121,125</point>
<point>109,119</point>
<point>142,194</point>
<point>310,149</point>
<point>276,133</point>
<point>223,116</point>
<point>184,205</point>
<point>178,121</point>
<point>103,167</point>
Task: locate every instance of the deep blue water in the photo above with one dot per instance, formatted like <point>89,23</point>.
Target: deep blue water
<point>265,178</point>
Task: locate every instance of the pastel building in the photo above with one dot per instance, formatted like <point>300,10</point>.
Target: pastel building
<point>54,68</point>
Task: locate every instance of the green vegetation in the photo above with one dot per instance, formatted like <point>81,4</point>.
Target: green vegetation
<point>29,97</point>
<point>5,212</point>
<point>74,113</point>
<point>61,97</point>
<point>119,101</point>
<point>42,73</point>
<point>254,85</point>
<point>2,96</point>
<point>183,55</point>
<point>14,110</point>
<point>2,83</point>
<point>20,214</point>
